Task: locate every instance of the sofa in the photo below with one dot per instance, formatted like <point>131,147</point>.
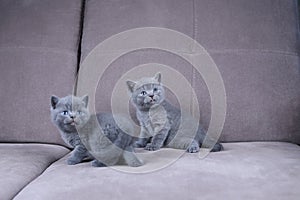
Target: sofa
<point>44,45</point>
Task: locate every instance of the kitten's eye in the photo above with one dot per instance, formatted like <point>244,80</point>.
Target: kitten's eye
<point>155,89</point>
<point>79,112</point>
<point>143,92</point>
<point>65,112</point>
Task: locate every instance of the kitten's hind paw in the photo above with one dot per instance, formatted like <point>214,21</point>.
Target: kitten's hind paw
<point>217,147</point>
<point>97,163</point>
<point>136,163</point>
<point>152,147</point>
<point>131,159</point>
<point>194,148</point>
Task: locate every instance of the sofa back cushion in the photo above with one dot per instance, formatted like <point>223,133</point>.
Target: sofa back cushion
<point>38,58</point>
<point>253,43</point>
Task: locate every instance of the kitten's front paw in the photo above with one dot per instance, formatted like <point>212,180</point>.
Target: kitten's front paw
<point>152,147</point>
<point>97,163</point>
<point>194,148</point>
<point>73,161</point>
<point>140,143</point>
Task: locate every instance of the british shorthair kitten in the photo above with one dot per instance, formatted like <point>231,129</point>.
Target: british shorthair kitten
<point>160,120</point>
<point>94,137</point>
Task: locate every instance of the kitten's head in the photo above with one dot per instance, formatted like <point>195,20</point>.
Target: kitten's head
<point>146,92</point>
<point>70,112</point>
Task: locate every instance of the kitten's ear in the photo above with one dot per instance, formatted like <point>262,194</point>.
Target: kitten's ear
<point>54,101</point>
<point>85,99</point>
<point>130,85</point>
<point>157,77</point>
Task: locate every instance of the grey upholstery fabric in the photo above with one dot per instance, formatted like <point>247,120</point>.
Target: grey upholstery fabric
<point>38,58</point>
<point>262,170</point>
<point>21,163</point>
<point>254,44</point>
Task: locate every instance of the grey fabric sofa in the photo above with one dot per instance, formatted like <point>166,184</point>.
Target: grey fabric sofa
<point>255,45</point>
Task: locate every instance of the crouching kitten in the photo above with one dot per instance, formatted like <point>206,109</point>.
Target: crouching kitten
<point>93,136</point>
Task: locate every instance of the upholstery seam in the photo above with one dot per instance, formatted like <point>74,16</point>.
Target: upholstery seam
<point>297,9</point>
<point>214,51</point>
<point>194,21</point>
<point>81,24</point>
<point>264,51</point>
<point>79,53</point>
<point>43,49</point>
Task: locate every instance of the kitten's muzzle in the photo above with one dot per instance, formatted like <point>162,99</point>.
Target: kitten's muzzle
<point>72,121</point>
<point>152,99</point>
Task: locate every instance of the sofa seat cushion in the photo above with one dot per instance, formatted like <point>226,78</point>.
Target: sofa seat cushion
<point>21,163</point>
<point>253,170</point>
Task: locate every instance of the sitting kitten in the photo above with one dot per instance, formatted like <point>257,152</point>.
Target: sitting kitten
<point>160,121</point>
<point>112,145</point>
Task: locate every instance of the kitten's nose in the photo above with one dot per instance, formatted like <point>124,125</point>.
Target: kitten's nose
<point>151,96</point>
<point>72,116</point>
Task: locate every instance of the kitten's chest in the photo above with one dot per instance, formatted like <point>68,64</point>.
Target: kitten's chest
<point>71,139</point>
<point>155,118</point>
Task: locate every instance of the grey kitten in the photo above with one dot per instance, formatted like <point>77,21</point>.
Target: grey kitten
<point>107,142</point>
<point>160,120</point>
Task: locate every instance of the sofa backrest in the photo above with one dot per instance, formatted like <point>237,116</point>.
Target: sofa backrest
<point>255,45</point>
<point>38,58</point>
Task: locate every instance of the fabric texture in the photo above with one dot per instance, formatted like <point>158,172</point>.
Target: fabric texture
<point>21,163</point>
<point>259,170</point>
<point>38,58</point>
<point>255,45</point>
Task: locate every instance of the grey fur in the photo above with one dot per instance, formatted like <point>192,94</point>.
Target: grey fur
<point>108,142</point>
<point>160,121</point>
